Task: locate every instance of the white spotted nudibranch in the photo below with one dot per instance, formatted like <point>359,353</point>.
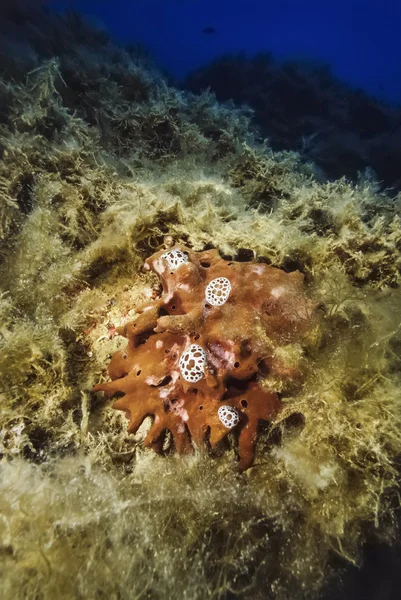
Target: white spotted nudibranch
<point>192,363</point>
<point>175,258</point>
<point>218,291</point>
<point>228,415</point>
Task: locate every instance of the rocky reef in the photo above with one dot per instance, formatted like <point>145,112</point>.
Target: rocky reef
<point>301,105</point>
<point>103,163</point>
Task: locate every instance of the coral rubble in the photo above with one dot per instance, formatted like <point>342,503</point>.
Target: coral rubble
<point>216,324</point>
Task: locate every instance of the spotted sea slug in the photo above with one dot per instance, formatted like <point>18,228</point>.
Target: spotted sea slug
<point>199,355</point>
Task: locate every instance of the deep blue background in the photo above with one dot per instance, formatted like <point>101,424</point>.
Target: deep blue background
<point>360,39</point>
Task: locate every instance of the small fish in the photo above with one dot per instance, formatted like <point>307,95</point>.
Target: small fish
<point>209,30</point>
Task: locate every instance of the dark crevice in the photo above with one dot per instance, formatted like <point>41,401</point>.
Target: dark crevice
<point>245,255</point>
<point>163,382</point>
<point>237,387</point>
<point>293,264</point>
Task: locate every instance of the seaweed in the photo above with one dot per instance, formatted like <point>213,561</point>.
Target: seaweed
<point>91,188</point>
<point>302,106</point>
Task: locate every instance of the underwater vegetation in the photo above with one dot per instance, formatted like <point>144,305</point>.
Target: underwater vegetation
<point>303,106</point>
<point>104,167</point>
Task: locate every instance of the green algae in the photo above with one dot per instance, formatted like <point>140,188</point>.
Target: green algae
<point>88,191</point>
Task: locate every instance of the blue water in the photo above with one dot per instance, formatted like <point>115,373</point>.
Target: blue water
<point>359,39</point>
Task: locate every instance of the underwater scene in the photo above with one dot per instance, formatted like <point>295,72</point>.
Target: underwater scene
<point>200,300</point>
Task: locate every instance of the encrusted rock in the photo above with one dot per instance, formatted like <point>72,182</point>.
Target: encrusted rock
<point>199,356</point>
